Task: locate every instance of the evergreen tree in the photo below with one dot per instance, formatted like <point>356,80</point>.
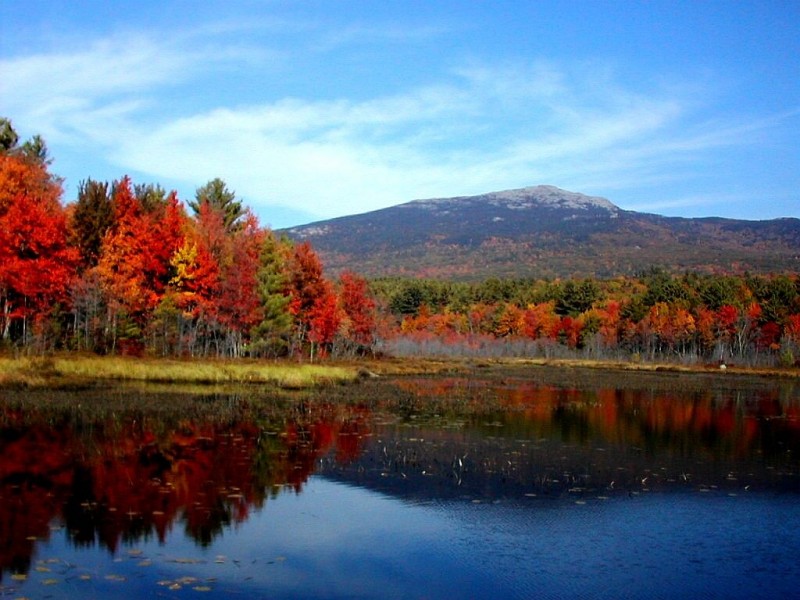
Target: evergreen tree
<point>8,136</point>
<point>219,197</point>
<point>92,217</point>
<point>270,336</point>
<point>152,197</point>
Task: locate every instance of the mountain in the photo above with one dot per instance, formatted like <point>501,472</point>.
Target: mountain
<point>543,231</point>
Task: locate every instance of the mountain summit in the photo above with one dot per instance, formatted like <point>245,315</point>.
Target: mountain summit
<point>543,231</point>
<point>545,196</point>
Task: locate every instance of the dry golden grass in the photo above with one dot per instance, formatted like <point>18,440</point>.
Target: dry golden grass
<point>79,370</point>
<point>75,370</point>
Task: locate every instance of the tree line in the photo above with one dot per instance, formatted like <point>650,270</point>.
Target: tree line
<point>745,319</point>
<point>126,268</point>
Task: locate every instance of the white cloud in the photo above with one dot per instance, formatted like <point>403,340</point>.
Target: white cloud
<point>480,128</point>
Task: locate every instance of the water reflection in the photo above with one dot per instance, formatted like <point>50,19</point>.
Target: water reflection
<point>114,468</point>
<point>115,476</point>
<point>482,440</point>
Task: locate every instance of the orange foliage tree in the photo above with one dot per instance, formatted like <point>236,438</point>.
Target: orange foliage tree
<point>37,265</point>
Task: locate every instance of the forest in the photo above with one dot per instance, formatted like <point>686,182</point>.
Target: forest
<point>129,268</point>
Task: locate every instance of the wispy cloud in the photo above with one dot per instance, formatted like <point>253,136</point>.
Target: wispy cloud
<point>481,127</point>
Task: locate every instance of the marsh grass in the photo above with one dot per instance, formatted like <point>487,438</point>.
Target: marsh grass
<point>69,371</point>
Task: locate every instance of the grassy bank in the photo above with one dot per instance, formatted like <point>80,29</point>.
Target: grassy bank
<point>71,371</point>
<point>433,366</point>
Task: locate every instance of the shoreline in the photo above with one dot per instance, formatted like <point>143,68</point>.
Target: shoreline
<point>67,371</point>
<point>434,366</point>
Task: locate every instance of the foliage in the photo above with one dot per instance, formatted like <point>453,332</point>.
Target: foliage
<point>689,318</point>
<point>37,264</point>
<point>127,271</point>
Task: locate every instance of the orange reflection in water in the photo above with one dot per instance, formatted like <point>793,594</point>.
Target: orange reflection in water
<point>735,423</point>
<point>111,481</point>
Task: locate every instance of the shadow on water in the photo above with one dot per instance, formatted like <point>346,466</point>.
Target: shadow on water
<point>112,468</point>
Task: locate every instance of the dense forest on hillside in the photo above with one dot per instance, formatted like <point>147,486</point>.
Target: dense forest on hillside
<point>128,268</point>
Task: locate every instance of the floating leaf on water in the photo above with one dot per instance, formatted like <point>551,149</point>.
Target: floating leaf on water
<point>174,586</point>
<point>113,577</point>
<point>144,563</point>
<point>201,588</point>
<point>85,577</point>
<point>135,552</point>
<point>186,561</point>
<point>42,569</point>
<point>49,581</point>
<point>19,576</point>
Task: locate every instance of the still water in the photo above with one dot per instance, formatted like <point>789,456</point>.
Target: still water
<point>523,483</point>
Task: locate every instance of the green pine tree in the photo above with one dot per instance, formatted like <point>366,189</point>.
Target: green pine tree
<point>270,337</point>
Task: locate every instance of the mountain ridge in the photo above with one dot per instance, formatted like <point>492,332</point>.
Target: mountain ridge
<point>543,232</point>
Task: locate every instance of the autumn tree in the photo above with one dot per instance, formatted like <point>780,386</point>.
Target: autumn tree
<point>510,321</point>
<point>325,317</point>
<point>135,263</point>
<point>240,303</point>
<point>358,310</point>
<point>539,320</point>
<point>308,290</point>
<point>194,288</point>
<point>37,264</point>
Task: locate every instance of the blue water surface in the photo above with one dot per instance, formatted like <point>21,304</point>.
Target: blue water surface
<point>338,541</point>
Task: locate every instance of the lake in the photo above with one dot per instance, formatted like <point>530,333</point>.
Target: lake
<point>525,482</point>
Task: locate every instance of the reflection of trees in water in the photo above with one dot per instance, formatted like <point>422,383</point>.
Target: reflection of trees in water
<point>697,421</point>
<point>118,479</point>
<point>117,469</point>
<point>512,438</point>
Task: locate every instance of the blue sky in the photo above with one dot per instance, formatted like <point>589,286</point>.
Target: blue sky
<point>311,110</point>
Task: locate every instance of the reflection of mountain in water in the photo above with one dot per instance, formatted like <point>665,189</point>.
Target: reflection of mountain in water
<point>118,468</point>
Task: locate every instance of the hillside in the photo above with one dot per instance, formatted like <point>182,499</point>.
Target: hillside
<point>543,231</point>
